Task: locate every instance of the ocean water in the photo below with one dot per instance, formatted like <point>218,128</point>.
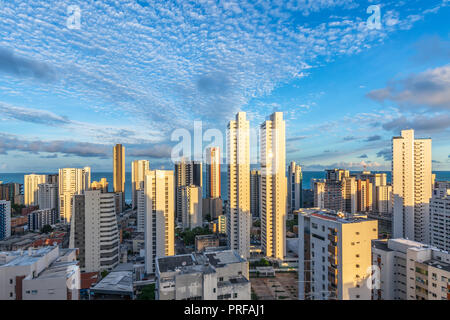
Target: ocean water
<point>96,176</point>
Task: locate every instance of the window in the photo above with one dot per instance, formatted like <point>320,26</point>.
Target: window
<point>235,295</point>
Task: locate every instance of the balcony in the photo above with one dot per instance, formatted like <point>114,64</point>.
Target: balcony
<point>332,249</point>
<point>332,271</point>
<point>333,238</point>
<point>333,260</point>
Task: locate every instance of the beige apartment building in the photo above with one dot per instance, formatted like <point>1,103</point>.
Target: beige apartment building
<point>335,249</point>
<point>31,188</point>
<point>238,161</point>
<point>273,186</point>
<point>159,217</point>
<point>119,168</point>
<point>138,170</point>
<point>71,181</point>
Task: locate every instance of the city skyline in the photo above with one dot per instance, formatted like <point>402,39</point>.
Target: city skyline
<point>69,95</point>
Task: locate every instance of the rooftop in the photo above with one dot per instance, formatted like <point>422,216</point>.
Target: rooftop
<point>338,216</point>
<point>23,258</point>
<point>115,282</point>
<point>438,264</point>
<point>191,263</point>
<point>59,270</point>
<point>222,258</point>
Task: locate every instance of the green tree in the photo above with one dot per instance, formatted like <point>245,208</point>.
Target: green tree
<point>147,292</point>
<point>104,273</point>
<point>46,229</point>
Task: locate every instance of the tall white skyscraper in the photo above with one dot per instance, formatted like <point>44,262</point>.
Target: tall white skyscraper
<point>48,196</point>
<point>238,162</point>
<point>295,181</point>
<point>71,181</point>
<point>32,181</point>
<point>411,186</point>
<point>191,206</point>
<point>273,186</point>
<point>159,217</point>
<point>213,172</point>
<point>138,170</point>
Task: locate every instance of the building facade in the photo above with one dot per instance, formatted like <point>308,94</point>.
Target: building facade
<point>94,231</point>
<point>273,186</point>
<point>213,172</point>
<point>334,255</point>
<point>31,183</point>
<point>71,181</point>
<point>238,207</point>
<point>440,216</point>
<point>412,186</point>
<point>410,270</point>
<point>159,217</point>
<point>138,170</point>
<point>47,273</point>
<point>220,275</point>
<point>5,219</point>
<point>295,187</point>
<point>119,168</point>
<point>191,207</point>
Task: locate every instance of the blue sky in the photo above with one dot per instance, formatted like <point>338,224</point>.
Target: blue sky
<point>137,70</point>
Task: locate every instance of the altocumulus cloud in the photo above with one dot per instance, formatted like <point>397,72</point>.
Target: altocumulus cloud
<point>430,88</point>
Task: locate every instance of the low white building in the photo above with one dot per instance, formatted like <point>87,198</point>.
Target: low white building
<point>410,270</point>
<point>47,273</point>
<point>220,275</point>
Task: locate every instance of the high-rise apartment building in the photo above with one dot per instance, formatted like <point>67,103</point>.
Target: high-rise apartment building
<point>337,192</point>
<point>255,193</point>
<point>238,207</point>
<point>48,196</point>
<point>191,207</point>
<point>380,191</point>
<point>71,181</point>
<point>334,255</point>
<point>119,168</point>
<point>213,172</point>
<point>31,182</point>
<point>295,187</point>
<point>273,186</point>
<point>138,170</point>
<point>5,219</point>
<point>186,173</point>
<point>159,217</point>
<point>364,196</point>
<point>410,270</point>
<point>440,216</point>
<point>412,186</point>
<point>11,192</point>
<point>94,231</point>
